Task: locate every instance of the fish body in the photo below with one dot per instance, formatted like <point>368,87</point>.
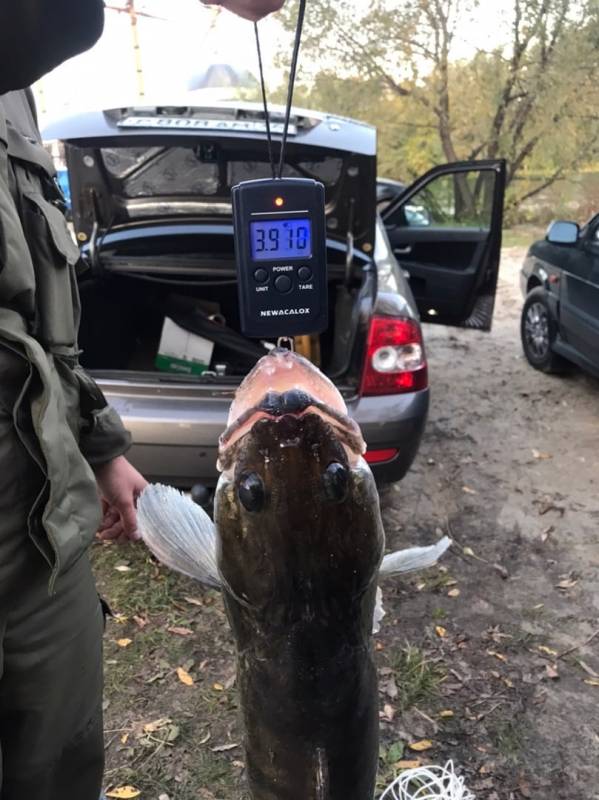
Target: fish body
<point>297,550</point>
<point>299,577</point>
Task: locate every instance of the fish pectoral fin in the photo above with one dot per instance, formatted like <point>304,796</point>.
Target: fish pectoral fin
<point>413,558</point>
<point>178,532</point>
<point>379,611</point>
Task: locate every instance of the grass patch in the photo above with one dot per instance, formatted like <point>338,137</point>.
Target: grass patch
<point>142,587</point>
<point>508,737</point>
<point>416,676</point>
<point>436,580</point>
<point>522,235</point>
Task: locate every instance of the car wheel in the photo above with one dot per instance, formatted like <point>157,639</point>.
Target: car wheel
<point>538,330</point>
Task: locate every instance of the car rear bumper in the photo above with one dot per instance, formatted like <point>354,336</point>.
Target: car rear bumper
<point>175,437</point>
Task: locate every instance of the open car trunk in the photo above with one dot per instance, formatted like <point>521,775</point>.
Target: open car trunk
<point>188,276</point>
<point>151,191</point>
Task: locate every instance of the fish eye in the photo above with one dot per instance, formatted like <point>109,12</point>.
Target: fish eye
<point>335,482</point>
<point>251,492</point>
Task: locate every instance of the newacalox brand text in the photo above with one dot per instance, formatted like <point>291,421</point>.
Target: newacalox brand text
<point>283,312</point>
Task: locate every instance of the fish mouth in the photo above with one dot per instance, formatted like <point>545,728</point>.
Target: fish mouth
<point>283,384</point>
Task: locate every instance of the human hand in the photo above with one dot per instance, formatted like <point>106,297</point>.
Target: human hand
<point>120,484</point>
<point>248,9</point>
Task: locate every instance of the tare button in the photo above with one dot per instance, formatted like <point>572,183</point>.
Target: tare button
<point>304,273</point>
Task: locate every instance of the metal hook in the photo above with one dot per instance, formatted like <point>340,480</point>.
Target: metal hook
<point>287,342</point>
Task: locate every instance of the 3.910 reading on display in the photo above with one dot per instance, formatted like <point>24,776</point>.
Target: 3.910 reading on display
<point>274,239</point>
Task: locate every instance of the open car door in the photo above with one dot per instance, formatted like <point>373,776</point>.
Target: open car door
<point>445,231</point>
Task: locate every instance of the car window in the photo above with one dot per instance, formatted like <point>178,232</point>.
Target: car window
<point>141,172</point>
<point>459,200</point>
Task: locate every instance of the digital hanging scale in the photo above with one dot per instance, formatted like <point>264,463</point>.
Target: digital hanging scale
<point>280,241</point>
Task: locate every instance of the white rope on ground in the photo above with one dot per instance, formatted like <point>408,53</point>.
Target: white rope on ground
<point>428,783</point>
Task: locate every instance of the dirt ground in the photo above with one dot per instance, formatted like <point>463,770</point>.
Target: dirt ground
<point>490,660</point>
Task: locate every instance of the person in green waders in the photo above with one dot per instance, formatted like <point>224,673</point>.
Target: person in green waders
<point>61,446</point>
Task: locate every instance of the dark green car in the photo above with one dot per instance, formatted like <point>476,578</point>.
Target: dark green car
<point>560,281</point>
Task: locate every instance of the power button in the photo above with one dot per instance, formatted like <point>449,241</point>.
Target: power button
<point>283,283</point>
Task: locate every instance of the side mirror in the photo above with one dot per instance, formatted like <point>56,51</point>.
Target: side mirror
<point>561,232</point>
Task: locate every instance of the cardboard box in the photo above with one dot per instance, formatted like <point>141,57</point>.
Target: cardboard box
<point>182,352</point>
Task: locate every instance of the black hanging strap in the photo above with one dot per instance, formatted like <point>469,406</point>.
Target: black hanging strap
<point>292,74</point>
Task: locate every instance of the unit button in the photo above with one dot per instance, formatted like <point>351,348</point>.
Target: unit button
<point>304,273</point>
<point>260,275</point>
<point>283,283</point>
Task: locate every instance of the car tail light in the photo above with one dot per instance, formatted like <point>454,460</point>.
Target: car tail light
<point>381,456</point>
<point>395,358</point>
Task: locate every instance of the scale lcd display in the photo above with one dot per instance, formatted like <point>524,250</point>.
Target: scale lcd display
<point>281,238</point>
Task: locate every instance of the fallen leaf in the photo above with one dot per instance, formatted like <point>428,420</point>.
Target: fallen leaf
<point>440,631</point>
<point>408,764</point>
<point>184,676</point>
<point>468,551</point>
<point>388,712</point>
<point>205,738</point>
<point>124,642</point>
<point>446,713</point>
<point>394,753</point>
<point>567,584</point>
<point>499,656</point>
<point>541,456</point>
<point>501,570</point>
<point>221,748</point>
<point>230,682</point>
<point>120,618</point>
<point>547,650</point>
<point>180,631</point>
<point>194,601</point>
<point>124,738</point>
<point>551,672</point>
<point>141,622</point>
<point>123,568</point>
<point>546,532</point>
<point>453,593</point>
<point>156,724</point>
<point>218,687</point>
<point>124,792</point>
<point>524,788</point>
<point>591,681</point>
<point>238,764</point>
<point>468,490</point>
<point>391,688</point>
<point>423,744</point>
<point>587,669</point>
<point>172,733</point>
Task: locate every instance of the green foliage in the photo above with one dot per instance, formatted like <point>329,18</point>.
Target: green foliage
<point>401,66</point>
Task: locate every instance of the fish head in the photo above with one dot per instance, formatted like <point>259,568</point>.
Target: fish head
<point>296,509</point>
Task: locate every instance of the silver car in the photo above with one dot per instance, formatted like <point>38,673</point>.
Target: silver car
<point>150,191</point>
